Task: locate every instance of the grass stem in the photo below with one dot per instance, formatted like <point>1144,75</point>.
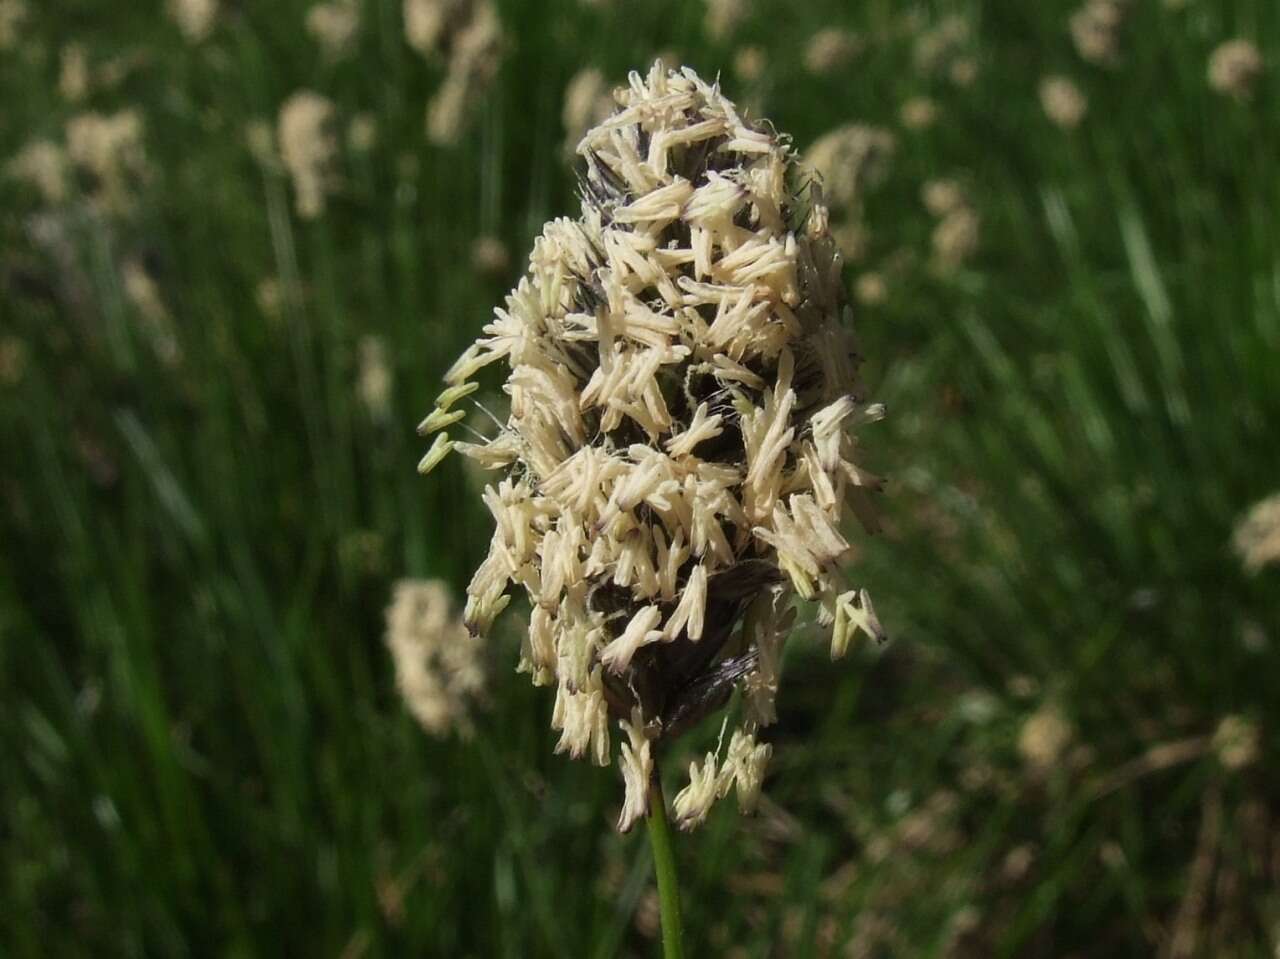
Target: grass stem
<point>664,864</point>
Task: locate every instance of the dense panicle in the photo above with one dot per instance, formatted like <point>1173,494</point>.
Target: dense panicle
<point>680,448</point>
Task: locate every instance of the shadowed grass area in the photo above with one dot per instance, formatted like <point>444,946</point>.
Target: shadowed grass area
<point>202,513</point>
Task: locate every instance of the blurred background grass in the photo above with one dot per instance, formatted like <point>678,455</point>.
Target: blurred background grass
<point>208,394</point>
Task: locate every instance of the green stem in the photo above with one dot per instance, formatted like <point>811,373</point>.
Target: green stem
<point>664,864</point>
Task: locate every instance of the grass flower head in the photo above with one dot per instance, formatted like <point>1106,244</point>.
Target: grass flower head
<point>679,456</point>
<point>1234,69</point>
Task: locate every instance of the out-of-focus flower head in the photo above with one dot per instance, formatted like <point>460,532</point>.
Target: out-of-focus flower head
<point>308,149</point>
<point>335,26</point>
<point>1044,738</point>
<point>142,291</point>
<point>42,165</point>
<point>362,133</point>
<point>425,22</point>
<point>195,18</point>
<point>918,113</point>
<point>1257,535</point>
<point>588,99</point>
<point>12,15</point>
<point>955,238</point>
<point>1095,30</point>
<point>489,256</point>
<point>1234,69</point>
<point>1063,102</point>
<point>942,196</point>
<point>871,289</point>
<point>439,666</point>
<point>268,295</point>
<point>679,459</point>
<point>723,17</point>
<point>830,49</point>
<point>375,381</point>
<point>851,159</point>
<point>13,360</point>
<point>750,63</point>
<point>468,35</point>
<point>109,150</point>
<point>963,71</point>
<point>1237,742</point>
<point>73,72</point>
<point>939,46</point>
